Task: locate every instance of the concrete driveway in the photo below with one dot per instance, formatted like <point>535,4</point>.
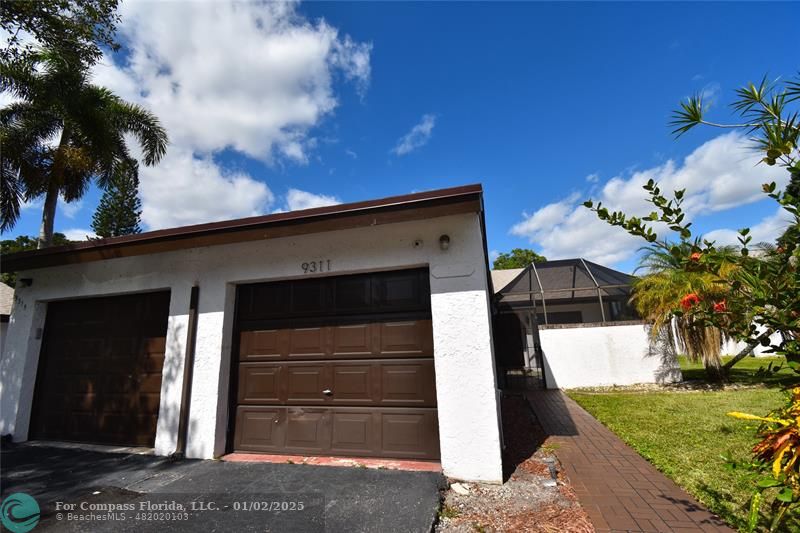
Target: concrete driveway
<point>80,490</point>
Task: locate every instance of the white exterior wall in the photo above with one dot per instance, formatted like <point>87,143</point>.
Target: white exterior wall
<point>469,424</point>
<point>602,356</point>
<point>731,347</point>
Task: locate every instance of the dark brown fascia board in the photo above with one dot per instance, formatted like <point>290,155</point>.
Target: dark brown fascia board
<point>417,206</point>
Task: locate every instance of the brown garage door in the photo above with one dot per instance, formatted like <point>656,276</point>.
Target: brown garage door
<point>337,366</point>
<point>99,376</point>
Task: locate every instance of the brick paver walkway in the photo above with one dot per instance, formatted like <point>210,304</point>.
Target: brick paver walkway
<point>619,489</point>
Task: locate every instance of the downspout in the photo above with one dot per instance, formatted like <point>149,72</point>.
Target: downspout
<point>188,369</point>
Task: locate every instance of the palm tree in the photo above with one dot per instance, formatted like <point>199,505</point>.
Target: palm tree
<point>63,133</point>
<point>660,291</point>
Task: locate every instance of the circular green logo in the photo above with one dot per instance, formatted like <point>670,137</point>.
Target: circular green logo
<point>20,513</point>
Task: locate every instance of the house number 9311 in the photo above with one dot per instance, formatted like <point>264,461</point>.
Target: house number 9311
<point>323,265</point>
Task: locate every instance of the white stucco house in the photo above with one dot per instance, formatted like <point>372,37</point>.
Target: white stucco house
<point>361,330</point>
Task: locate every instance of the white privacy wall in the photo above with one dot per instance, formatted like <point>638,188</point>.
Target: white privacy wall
<point>469,424</point>
<point>604,355</point>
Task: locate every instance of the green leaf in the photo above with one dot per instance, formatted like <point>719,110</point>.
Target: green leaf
<point>767,482</point>
<point>755,506</point>
<point>786,495</point>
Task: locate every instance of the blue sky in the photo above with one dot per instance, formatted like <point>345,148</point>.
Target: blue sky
<point>275,107</point>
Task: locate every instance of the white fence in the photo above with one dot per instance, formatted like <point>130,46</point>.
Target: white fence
<point>589,355</point>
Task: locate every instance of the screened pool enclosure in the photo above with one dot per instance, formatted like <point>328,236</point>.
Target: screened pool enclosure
<point>563,293</point>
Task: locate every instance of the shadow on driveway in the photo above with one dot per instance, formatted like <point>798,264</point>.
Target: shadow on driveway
<point>279,497</point>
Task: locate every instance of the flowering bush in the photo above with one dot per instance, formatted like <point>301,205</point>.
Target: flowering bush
<point>757,295</point>
<point>689,301</point>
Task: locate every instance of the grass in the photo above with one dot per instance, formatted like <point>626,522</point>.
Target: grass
<point>769,371</point>
<point>684,433</point>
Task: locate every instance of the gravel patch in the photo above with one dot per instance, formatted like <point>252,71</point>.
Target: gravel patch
<point>530,500</point>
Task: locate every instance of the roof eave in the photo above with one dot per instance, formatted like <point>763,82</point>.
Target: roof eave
<point>429,204</point>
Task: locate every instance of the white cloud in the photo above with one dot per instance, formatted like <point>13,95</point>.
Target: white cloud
<point>494,254</point>
<point>297,199</point>
<point>69,209</point>
<point>249,76</point>
<point>720,174</point>
<point>593,178</point>
<point>770,228</point>
<point>36,203</point>
<point>252,77</point>
<point>351,153</point>
<point>186,189</point>
<point>79,234</point>
<point>709,93</point>
<point>419,136</point>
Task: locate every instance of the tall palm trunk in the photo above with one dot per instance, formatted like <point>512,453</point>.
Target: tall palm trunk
<point>48,215</point>
<point>51,197</point>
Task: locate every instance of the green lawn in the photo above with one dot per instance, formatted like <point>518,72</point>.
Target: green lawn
<point>750,370</point>
<point>684,433</point>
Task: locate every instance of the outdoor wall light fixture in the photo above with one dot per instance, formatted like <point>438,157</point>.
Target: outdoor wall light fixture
<point>444,242</point>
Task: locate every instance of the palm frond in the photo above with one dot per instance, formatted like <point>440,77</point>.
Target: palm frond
<point>688,116</point>
<point>793,89</point>
<point>10,195</point>
<point>145,126</point>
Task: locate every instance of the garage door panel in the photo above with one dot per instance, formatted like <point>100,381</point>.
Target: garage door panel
<point>53,425</point>
<point>260,383</point>
<point>401,291</point>
<point>357,340</point>
<point>260,429</point>
<point>310,298</point>
<point>260,345</point>
<point>353,383</point>
<point>346,431</point>
<point>266,300</point>
<point>347,369</point>
<point>406,338</point>
<point>153,363</point>
<point>410,434</point>
<point>307,430</point>
<point>408,383</point>
<point>308,343</point>
<point>354,433</point>
<point>149,384</point>
<point>409,338</point>
<point>305,383</point>
<point>100,369</point>
<point>353,294</point>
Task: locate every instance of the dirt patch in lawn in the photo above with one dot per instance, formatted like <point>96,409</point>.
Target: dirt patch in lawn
<point>530,500</point>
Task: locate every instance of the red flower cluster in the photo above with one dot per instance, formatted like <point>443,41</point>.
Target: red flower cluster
<point>689,301</point>
<point>695,256</point>
<point>720,307</point>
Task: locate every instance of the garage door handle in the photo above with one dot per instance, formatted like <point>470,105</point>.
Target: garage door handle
<point>327,392</point>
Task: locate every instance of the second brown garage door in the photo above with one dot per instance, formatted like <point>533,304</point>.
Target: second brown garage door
<point>337,366</point>
<point>99,377</point>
